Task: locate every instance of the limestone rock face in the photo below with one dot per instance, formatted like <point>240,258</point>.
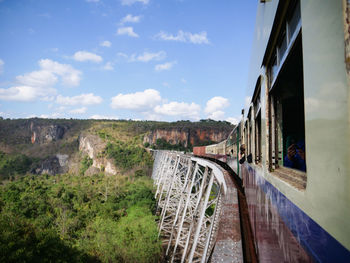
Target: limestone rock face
<point>93,146</point>
<point>46,133</point>
<point>186,136</point>
<point>52,165</point>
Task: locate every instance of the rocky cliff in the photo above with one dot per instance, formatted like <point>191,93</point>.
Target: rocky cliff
<point>56,164</point>
<point>46,133</point>
<point>62,145</point>
<point>187,136</point>
<point>93,146</point>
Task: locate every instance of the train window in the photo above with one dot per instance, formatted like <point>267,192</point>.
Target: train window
<point>289,32</point>
<point>257,122</point>
<point>294,21</point>
<point>249,132</point>
<point>287,113</point>
<point>274,66</point>
<point>286,108</point>
<point>245,132</point>
<point>282,46</point>
<point>258,138</point>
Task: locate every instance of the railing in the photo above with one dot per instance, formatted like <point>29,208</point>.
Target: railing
<point>189,194</point>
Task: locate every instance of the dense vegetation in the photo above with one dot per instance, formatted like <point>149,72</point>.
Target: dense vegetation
<point>86,162</point>
<point>127,155</point>
<point>162,144</point>
<point>11,165</point>
<point>70,218</point>
<point>74,217</point>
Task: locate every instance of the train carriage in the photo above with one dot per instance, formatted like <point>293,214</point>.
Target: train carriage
<point>296,131</point>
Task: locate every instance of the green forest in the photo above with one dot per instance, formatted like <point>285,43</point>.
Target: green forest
<point>71,218</point>
<point>83,214</point>
<point>74,217</point>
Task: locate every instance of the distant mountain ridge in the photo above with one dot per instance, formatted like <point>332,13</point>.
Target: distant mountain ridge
<point>65,145</point>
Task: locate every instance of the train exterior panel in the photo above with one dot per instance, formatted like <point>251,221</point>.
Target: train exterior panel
<point>296,131</point>
<point>199,150</point>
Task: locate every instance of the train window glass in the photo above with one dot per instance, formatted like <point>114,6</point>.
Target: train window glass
<point>249,132</point>
<point>246,135</point>
<point>256,133</point>
<point>289,31</point>
<point>250,138</point>
<point>274,66</point>
<point>288,124</point>
<point>282,47</point>
<point>294,20</point>
<point>258,138</point>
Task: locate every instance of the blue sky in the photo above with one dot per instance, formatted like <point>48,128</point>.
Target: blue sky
<point>129,59</point>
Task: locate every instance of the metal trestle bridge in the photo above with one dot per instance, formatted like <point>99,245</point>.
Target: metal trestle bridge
<point>189,195</point>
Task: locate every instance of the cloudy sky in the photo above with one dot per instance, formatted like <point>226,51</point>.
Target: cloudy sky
<point>128,59</point>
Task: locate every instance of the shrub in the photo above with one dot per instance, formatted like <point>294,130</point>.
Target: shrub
<point>128,156</point>
<point>85,164</point>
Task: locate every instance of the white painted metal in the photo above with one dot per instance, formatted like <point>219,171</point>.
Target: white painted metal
<point>187,189</point>
<point>200,221</point>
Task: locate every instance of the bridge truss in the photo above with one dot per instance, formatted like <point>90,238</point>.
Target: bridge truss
<point>189,194</point>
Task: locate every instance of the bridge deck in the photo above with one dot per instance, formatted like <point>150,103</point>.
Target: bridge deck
<point>228,246</point>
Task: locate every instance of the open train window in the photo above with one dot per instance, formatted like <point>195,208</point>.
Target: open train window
<point>257,121</point>
<point>249,132</point>
<point>286,97</point>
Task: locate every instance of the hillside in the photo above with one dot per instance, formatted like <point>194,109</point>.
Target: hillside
<point>80,190</point>
<point>55,146</point>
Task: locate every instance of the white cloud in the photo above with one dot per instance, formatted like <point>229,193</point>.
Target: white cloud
<point>40,78</point>
<point>131,2</point>
<point>123,55</point>
<point>144,100</point>
<point>233,120</point>
<point>179,109</point>
<point>70,76</point>
<point>216,104</point>
<point>130,19</point>
<point>87,56</point>
<point>2,63</point>
<point>83,99</point>
<point>214,108</point>
<point>61,108</point>
<point>165,66</point>
<point>187,37</point>
<point>103,117</point>
<point>54,115</point>
<point>217,115</point>
<point>144,57</point>
<point>78,111</point>
<point>148,56</point>
<point>106,43</point>
<point>127,31</point>
<point>26,93</point>
<point>108,66</point>
<point>39,84</point>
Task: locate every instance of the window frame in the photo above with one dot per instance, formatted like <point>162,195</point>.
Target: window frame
<point>256,101</point>
<point>274,105</point>
<point>290,39</point>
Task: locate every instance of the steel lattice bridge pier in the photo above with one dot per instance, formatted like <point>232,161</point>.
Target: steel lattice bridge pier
<point>190,196</point>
